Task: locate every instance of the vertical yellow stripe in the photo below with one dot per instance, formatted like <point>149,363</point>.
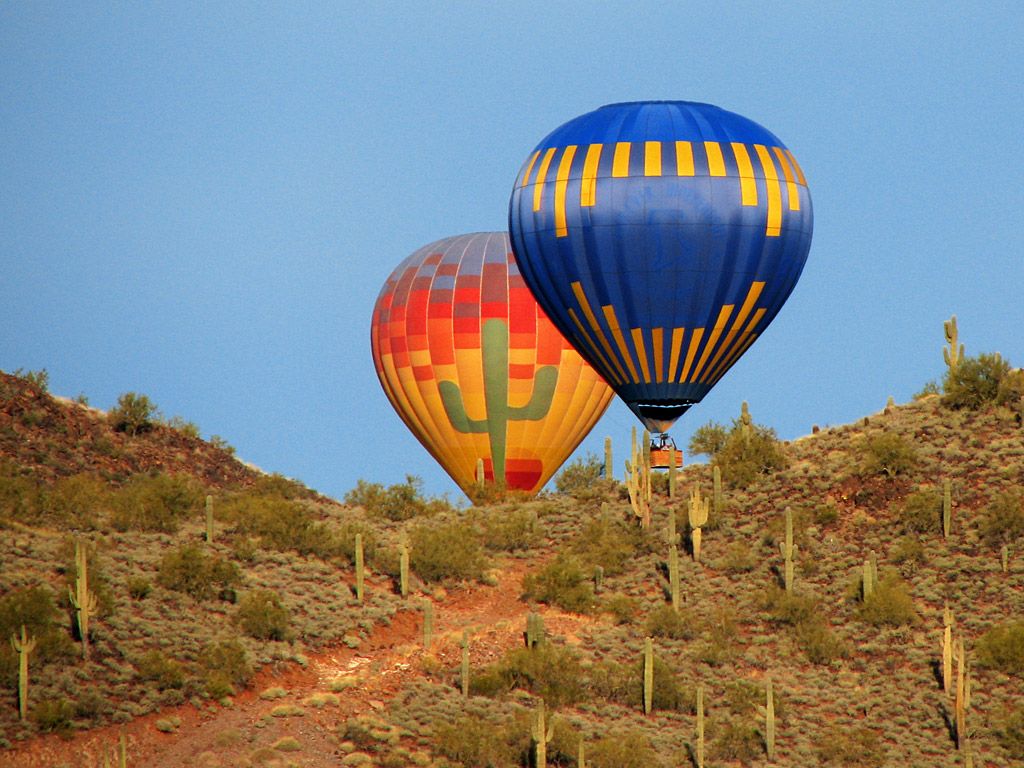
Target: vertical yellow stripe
<point>796,167</point>
<point>542,172</point>
<point>652,158</point>
<point>748,187</point>
<point>792,193</point>
<point>620,340</point>
<point>747,341</point>
<point>695,337</point>
<point>748,304</point>
<point>716,163</point>
<point>771,179</point>
<point>620,161</point>
<point>529,168</point>
<point>581,297</point>
<point>723,318</point>
<point>588,186</point>
<point>593,348</point>
<point>657,340</point>
<point>741,347</point>
<point>684,158</point>
<point>561,182</point>
<point>641,353</point>
<point>677,343</point>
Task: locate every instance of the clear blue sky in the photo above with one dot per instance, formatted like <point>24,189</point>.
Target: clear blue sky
<point>201,201</point>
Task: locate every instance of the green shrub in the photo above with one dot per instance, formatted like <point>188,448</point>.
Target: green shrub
<point>156,502</point>
<point>1002,648</point>
<point>187,428</point>
<point>623,608</point>
<point>478,742</point>
<point>1003,519</point>
<point>737,741</point>
<point>225,664</point>
<point>921,512</point>
<point>743,459</point>
<point>262,615</point>
<point>858,747</point>
<point>446,550</point>
<point>39,379</point>
<point>1010,731</point>
<point>133,414</point>
<point>20,497</point>
<point>78,501</point>
<point>628,749</point>
<point>34,608</point>
<point>197,574</point>
<point>889,604</point>
<point>139,587</point>
<point>738,558</point>
<point>402,501</point>
<point>974,382</point>
<point>1011,391</point>
<point>562,582</point>
<point>885,453</point>
<point>610,543</point>
<point>664,621</point>
<point>580,476</point>
<point>280,524</point>
<point>54,716</point>
<point>552,672</point>
<point>720,632</point>
<point>708,439</point>
<point>909,553</point>
<point>817,640</point>
<point>157,668</point>
<point>509,530</point>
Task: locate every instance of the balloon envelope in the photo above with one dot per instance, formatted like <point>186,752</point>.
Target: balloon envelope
<point>661,238</point>
<point>476,370</point>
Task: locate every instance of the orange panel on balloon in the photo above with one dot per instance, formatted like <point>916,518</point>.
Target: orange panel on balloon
<point>476,370</point>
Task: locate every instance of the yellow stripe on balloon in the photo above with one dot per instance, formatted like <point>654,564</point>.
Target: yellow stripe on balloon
<point>771,179</point>
<point>695,337</point>
<point>796,167</point>
<point>588,184</point>
<point>561,183</point>
<point>542,172</point>
<point>677,344</point>
<point>529,168</point>
<point>716,331</point>
<point>620,340</point>
<point>605,362</point>
<point>684,158</point>
<point>716,163</point>
<point>588,313</point>
<point>641,353</point>
<point>748,304</point>
<point>792,193</point>
<point>657,341</point>
<point>620,161</point>
<point>652,158</point>
<point>748,186</point>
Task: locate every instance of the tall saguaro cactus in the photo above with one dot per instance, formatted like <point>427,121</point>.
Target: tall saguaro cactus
<point>84,601</point>
<point>952,354</point>
<point>608,467</point>
<point>638,479</point>
<point>947,649</point>
<point>464,674</point>
<point>788,549</point>
<point>23,646</point>
<point>648,676</point>
<point>541,734</point>
<point>769,720</point>
<point>494,351</point>
<point>360,568</point>
<point>698,511</point>
<point>700,725</point>
<point>947,507</point>
<point>209,519</point>
<point>403,569</point>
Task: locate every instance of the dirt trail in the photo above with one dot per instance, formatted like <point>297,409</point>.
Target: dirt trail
<point>217,736</point>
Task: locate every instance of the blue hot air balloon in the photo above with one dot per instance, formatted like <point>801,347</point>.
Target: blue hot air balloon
<point>662,238</point>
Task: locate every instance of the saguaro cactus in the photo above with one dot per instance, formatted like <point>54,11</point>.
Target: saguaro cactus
<point>84,601</point>
<point>947,507</point>
<point>947,649</point>
<point>963,701</point>
<point>464,676</point>
<point>209,519</point>
<point>360,570</point>
<point>608,467</point>
<point>541,735</point>
<point>534,630</point>
<point>716,479</point>
<point>788,549</point>
<point>403,569</point>
<point>648,676</point>
<point>700,725</point>
<point>952,354</point>
<point>23,646</point>
<point>769,720</point>
<point>746,423</point>
<point>672,472</point>
<point>638,480</point>
<point>494,351</point>
<point>698,511</point>
<point>673,576</point>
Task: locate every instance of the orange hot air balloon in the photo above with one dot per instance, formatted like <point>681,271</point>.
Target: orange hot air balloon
<point>476,370</point>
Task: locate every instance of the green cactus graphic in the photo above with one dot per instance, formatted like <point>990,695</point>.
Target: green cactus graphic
<point>494,347</point>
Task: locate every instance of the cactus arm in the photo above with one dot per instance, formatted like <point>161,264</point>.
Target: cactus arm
<point>455,409</point>
<point>540,401</point>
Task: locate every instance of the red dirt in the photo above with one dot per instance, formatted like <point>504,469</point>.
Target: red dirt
<point>385,663</point>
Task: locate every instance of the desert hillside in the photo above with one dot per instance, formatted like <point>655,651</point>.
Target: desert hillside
<point>234,618</point>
